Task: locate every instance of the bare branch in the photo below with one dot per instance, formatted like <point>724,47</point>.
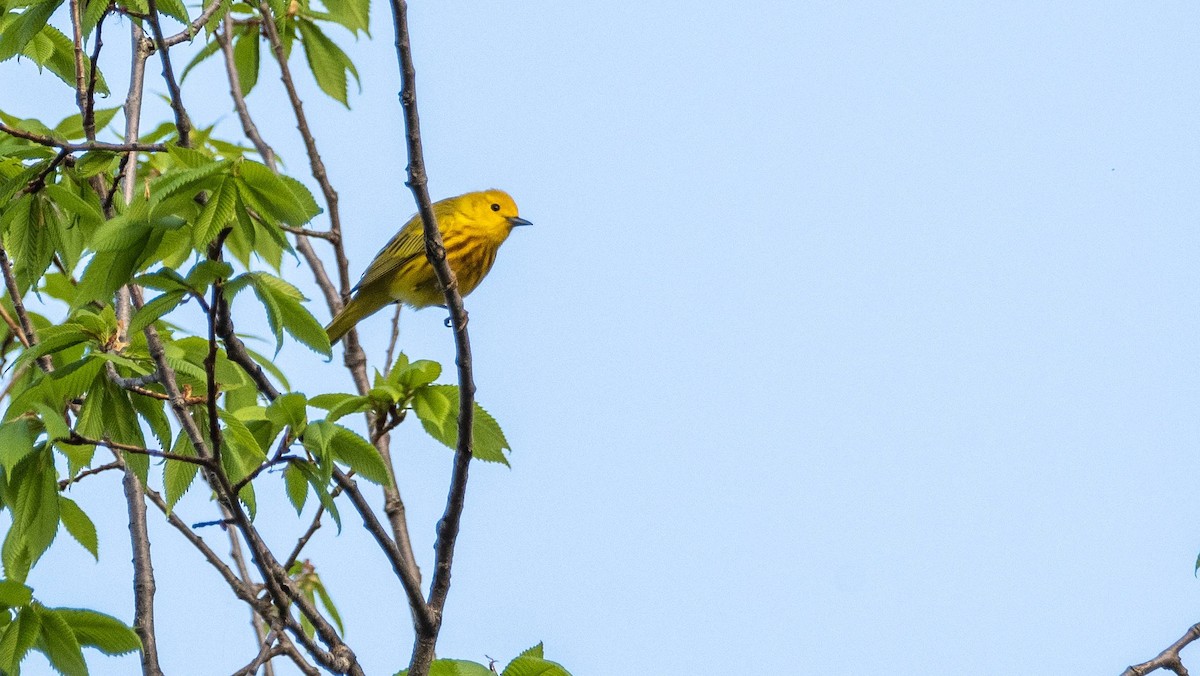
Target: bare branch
<point>14,294</point>
<point>81,147</point>
<point>225,40</point>
<point>182,123</point>
<point>423,648</point>
<point>78,440</point>
<point>1167,659</point>
<point>116,464</point>
<point>194,27</point>
<point>143,573</point>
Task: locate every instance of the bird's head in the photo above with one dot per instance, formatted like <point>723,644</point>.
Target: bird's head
<point>494,209</point>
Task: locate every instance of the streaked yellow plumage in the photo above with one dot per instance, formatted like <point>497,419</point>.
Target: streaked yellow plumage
<point>473,227</point>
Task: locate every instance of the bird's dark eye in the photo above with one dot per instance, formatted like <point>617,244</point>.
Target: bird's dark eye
<point>495,207</point>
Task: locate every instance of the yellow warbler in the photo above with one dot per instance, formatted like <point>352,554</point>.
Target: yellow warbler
<point>473,227</point>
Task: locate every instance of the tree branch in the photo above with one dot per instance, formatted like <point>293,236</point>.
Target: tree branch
<point>423,648</point>
<point>188,33</point>
<point>81,147</point>
<point>1167,659</point>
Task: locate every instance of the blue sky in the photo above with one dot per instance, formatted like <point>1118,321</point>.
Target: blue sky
<point>848,339</point>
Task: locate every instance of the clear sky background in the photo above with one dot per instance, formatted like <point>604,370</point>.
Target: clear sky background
<point>849,338</point>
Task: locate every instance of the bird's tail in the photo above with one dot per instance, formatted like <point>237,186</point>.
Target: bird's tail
<point>351,314</point>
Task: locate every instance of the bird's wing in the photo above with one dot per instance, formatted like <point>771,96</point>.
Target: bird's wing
<point>407,243</point>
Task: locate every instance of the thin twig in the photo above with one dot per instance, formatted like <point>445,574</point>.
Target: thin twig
<point>13,327</point>
<point>116,464</point>
<point>188,33</point>
<point>1167,659</point>
<point>319,234</point>
<point>424,645</point>
<point>182,123</point>
<point>81,147</point>
<point>225,40</point>
<point>391,349</point>
<point>14,294</point>
<point>79,440</point>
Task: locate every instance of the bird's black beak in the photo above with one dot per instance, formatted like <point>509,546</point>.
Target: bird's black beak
<point>514,221</point>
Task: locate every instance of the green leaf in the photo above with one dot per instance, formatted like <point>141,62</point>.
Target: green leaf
<point>206,272</point>
<point>216,215</point>
<point>16,442</point>
<point>297,487</point>
<point>14,594</point>
<point>153,411</point>
<point>358,454</point>
<point>437,407</point>
<point>284,311</point>
<point>173,9</point>
<point>528,665</point>
<point>33,499</point>
<point>72,126</point>
<point>156,308</point>
<point>72,203</point>
<point>96,162</point>
<point>79,525</point>
<point>21,30</point>
<point>178,476</point>
<point>327,602</point>
<point>454,668</point>
<point>273,197</point>
<point>102,632</point>
<point>289,410</point>
<point>19,637</point>
<point>329,64</point>
<point>58,642</point>
<point>355,15</point>
<point>418,374</point>
<point>320,485</point>
<point>245,57</point>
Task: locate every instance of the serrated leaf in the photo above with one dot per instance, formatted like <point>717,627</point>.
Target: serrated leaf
<point>33,500</point>
<point>216,214</point>
<point>21,30</point>
<point>174,9</point>
<point>296,486</point>
<point>418,374</point>
<point>72,127</point>
<point>444,667</point>
<point>328,63</point>
<point>58,643</point>
<point>153,411</point>
<point>73,204</point>
<point>79,525</point>
<point>96,162</point>
<point>16,443</point>
<point>289,410</point>
<point>153,310</point>
<point>14,594</point>
<point>355,15</point>
<point>274,198</point>
<point>437,408</point>
<point>321,488</point>
<point>102,632</point>
<point>19,637</point>
<point>246,58</point>
<point>178,476</point>
<point>359,455</point>
<point>529,665</point>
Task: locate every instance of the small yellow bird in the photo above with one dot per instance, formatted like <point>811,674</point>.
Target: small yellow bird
<point>473,227</point>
